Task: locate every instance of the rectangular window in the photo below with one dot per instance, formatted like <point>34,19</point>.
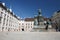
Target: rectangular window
<point>5,15</point>
<point>22,24</point>
<point>4,22</point>
<point>0,20</point>
<point>5,11</point>
<point>28,26</point>
<point>19,24</point>
<point>1,14</point>
<point>31,26</point>
<point>2,9</point>
<point>6,27</point>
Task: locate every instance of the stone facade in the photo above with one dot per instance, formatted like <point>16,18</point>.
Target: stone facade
<point>56,16</point>
<point>26,25</point>
<point>56,19</point>
<point>8,21</point>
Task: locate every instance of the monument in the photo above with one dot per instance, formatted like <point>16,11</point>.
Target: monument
<point>38,21</point>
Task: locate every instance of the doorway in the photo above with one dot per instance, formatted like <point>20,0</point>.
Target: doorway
<point>22,29</point>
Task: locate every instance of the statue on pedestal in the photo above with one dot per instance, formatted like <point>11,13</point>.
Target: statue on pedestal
<point>39,18</point>
<point>38,21</point>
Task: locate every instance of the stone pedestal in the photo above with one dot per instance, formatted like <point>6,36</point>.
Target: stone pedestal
<point>39,28</point>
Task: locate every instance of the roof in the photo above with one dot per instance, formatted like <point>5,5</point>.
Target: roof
<point>29,19</point>
<point>46,19</point>
<point>3,6</point>
<point>58,11</point>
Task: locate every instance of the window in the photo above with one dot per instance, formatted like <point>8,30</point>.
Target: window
<point>2,9</point>
<point>1,14</point>
<point>6,24</point>
<point>4,19</point>
<point>31,26</point>
<point>7,20</point>
<point>28,26</point>
<point>5,11</point>
<point>2,28</point>
<point>10,17</point>
<point>6,27</point>
<point>3,24</point>
<point>19,24</point>
<point>9,24</point>
<point>5,15</point>
<point>31,23</point>
<point>22,24</point>
<point>0,20</point>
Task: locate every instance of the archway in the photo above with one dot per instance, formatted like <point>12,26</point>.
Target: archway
<point>22,29</point>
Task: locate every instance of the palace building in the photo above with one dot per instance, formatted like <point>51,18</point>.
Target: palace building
<point>56,18</point>
<point>8,21</point>
<point>26,24</point>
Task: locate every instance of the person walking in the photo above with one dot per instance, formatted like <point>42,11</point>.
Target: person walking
<point>47,25</point>
<point>59,25</point>
<point>56,26</point>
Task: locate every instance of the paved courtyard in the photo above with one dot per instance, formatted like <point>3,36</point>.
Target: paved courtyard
<point>29,35</point>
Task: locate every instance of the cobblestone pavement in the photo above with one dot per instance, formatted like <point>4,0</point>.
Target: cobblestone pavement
<point>29,35</point>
